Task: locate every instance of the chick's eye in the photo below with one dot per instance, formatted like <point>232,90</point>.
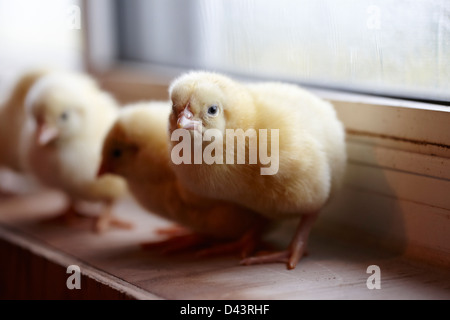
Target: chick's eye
<point>212,110</point>
<point>64,116</point>
<point>116,153</point>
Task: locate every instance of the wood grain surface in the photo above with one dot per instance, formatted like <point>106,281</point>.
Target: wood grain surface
<point>35,253</point>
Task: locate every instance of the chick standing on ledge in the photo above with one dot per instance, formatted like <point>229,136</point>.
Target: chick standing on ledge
<point>137,149</point>
<point>312,154</point>
<point>69,118</point>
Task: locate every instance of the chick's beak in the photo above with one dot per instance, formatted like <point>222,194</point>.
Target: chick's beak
<point>46,134</point>
<point>103,169</point>
<point>185,123</point>
<point>185,120</point>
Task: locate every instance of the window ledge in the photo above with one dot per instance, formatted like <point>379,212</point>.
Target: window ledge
<point>113,265</point>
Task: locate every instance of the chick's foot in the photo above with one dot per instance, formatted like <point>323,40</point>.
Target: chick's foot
<point>177,244</point>
<point>172,231</point>
<point>243,246</point>
<point>296,250</point>
<point>205,246</point>
<point>5,194</point>
<point>69,216</point>
<point>107,220</point>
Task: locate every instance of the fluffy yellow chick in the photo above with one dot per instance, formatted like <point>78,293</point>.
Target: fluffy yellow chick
<point>70,117</point>
<point>303,174</point>
<point>136,148</point>
<point>12,121</point>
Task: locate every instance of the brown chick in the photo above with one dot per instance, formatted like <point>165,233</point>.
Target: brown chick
<point>136,148</point>
<point>306,164</point>
<point>69,118</point>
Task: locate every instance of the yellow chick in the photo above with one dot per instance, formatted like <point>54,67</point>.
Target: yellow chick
<point>12,121</point>
<point>307,143</point>
<point>136,148</point>
<point>69,118</point>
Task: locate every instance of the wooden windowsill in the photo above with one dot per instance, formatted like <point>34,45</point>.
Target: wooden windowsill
<point>36,254</point>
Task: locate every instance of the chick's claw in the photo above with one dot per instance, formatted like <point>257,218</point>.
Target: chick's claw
<point>204,245</point>
<point>176,244</point>
<point>172,231</point>
<point>69,216</point>
<point>296,250</point>
<point>290,257</point>
<point>106,221</point>
<point>267,258</point>
<point>4,194</point>
<point>244,249</point>
<point>244,246</point>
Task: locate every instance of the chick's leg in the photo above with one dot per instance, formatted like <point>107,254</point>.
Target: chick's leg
<point>245,245</point>
<point>6,194</point>
<point>176,243</point>
<point>68,216</point>
<point>183,239</point>
<point>211,247</point>
<point>172,231</point>
<point>296,249</point>
<point>107,220</point>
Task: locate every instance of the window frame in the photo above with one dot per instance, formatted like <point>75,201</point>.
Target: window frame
<point>380,112</point>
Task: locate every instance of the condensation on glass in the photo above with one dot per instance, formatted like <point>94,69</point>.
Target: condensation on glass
<point>387,47</point>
